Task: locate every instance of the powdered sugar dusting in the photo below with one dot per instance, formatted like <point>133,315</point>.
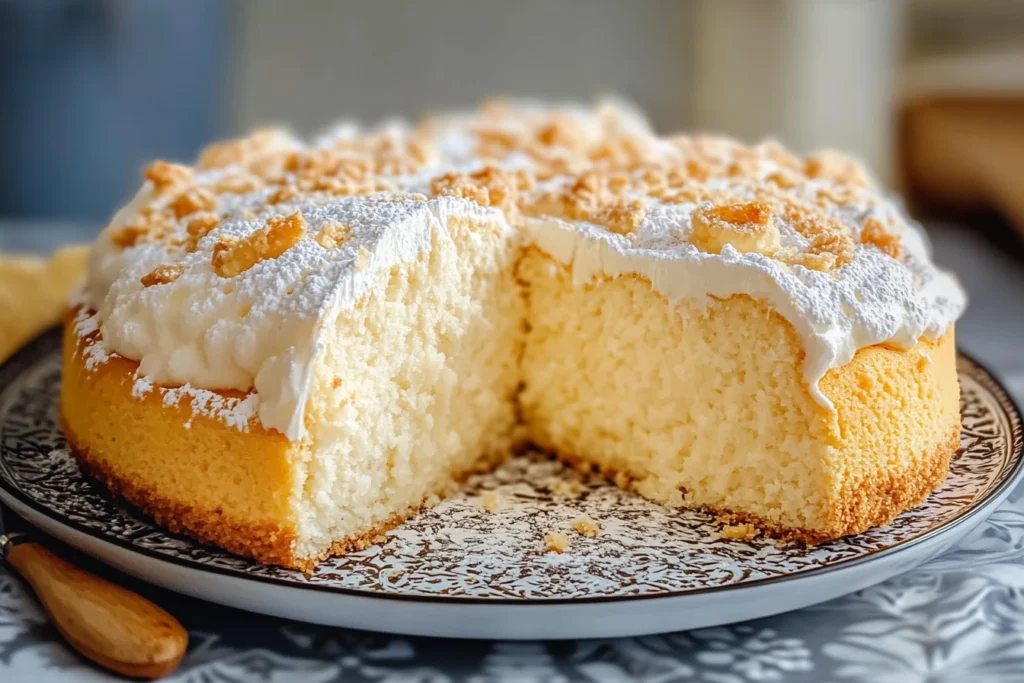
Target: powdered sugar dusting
<point>234,412</point>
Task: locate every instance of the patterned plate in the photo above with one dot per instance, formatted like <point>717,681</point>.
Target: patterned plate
<point>436,573</point>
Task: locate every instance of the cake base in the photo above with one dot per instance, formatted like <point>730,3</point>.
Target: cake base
<point>902,491</point>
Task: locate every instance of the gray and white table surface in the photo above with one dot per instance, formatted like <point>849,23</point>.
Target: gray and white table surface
<point>959,618</point>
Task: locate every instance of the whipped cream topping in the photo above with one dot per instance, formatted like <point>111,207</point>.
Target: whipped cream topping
<point>259,331</point>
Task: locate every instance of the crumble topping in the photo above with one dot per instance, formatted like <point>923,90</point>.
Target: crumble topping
<point>166,176</point>
<point>233,255</point>
<point>243,150</point>
<point>333,235</point>
<point>192,200</point>
<point>162,275</point>
<point>875,233</point>
<point>490,186</point>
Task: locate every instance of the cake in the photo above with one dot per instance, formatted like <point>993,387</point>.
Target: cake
<point>288,348</point>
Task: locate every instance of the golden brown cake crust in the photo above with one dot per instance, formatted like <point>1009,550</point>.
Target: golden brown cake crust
<point>870,506</point>
<point>267,543</point>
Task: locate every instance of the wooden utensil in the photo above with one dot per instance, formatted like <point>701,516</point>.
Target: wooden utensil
<point>112,626</point>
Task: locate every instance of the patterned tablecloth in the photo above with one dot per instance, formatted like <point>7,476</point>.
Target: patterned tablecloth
<point>959,618</point>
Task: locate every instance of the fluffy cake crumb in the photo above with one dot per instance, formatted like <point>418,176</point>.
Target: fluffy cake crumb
<point>556,542</point>
<point>586,527</point>
<point>740,532</point>
<point>492,501</point>
<point>566,488</point>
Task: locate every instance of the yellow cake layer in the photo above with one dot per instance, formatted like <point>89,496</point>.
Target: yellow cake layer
<point>704,404</point>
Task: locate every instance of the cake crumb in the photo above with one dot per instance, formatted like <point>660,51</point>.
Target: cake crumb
<point>492,501</point>
<point>741,532</point>
<point>556,542</point>
<point>586,527</point>
<point>192,201</point>
<point>162,275</point>
<point>165,175</point>
<point>623,480</point>
<point>379,539</point>
<point>566,488</point>
<point>875,233</point>
<point>333,235</point>
<point>362,258</point>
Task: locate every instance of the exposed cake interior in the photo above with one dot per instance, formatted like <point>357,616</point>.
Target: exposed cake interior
<point>415,384</point>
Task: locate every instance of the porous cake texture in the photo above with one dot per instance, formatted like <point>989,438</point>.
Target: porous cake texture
<point>288,348</point>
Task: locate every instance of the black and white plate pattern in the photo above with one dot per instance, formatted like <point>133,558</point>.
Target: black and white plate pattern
<point>460,553</point>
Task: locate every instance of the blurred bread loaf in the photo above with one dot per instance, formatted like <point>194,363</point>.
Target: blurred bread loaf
<point>34,292</point>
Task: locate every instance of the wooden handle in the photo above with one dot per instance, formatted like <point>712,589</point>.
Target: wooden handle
<point>110,625</point>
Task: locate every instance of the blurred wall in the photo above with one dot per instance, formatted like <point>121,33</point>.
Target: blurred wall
<point>308,62</point>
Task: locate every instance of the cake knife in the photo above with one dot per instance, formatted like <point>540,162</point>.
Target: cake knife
<point>114,627</point>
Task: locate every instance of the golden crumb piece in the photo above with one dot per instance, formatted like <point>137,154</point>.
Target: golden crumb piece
<point>623,480</point>
<point>741,532</point>
<point>586,527</point>
<point>199,227</point>
<point>492,501</point>
<point>165,175</point>
<point>747,227</point>
<point>875,233</point>
<point>191,201</point>
<point>623,216</point>
<point>333,235</point>
<point>556,542</point>
<point>490,186</point>
<point>563,132</point>
<point>837,167</point>
<point>784,179</point>
<point>238,184</point>
<point>283,194</point>
<point>379,539</point>
<point>567,488</point>
<point>592,199</point>
<point>162,275</point>
<point>243,150</point>
<point>830,245</point>
<point>233,256</point>
<point>129,235</point>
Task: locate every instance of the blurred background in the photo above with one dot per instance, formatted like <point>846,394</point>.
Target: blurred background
<point>929,93</point>
<point>92,89</point>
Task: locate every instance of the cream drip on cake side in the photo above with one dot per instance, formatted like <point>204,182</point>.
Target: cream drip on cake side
<point>261,329</point>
